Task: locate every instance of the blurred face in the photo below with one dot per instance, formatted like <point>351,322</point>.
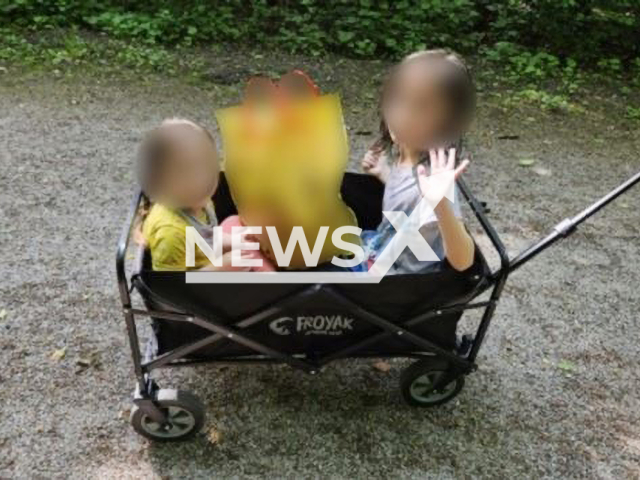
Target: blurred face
<point>190,176</point>
<point>415,109</point>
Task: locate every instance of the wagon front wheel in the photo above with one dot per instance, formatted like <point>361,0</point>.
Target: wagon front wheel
<point>185,415</point>
<point>418,380</point>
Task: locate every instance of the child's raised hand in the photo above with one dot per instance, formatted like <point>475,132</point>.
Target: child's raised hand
<point>373,164</point>
<point>442,161</point>
<point>435,184</point>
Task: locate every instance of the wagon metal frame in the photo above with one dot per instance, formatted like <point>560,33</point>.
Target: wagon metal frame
<point>460,361</point>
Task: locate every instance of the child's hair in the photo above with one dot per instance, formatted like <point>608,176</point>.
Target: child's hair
<point>457,84</point>
<point>156,149</point>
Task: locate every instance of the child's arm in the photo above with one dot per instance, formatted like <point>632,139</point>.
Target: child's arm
<point>374,163</point>
<point>458,244</point>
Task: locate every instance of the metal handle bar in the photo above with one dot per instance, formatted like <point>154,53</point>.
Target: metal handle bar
<point>567,226</point>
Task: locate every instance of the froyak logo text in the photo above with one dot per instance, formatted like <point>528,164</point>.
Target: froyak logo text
<point>312,325</point>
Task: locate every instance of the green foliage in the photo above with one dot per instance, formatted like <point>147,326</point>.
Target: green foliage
<point>633,113</point>
<point>547,101</point>
<point>149,29</point>
<point>600,33</point>
<point>144,56</point>
<point>583,29</point>
<point>376,28</point>
<point>537,50</point>
<point>538,77</point>
<point>60,50</point>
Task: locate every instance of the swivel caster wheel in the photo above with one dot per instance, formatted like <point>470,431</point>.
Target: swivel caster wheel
<point>184,412</point>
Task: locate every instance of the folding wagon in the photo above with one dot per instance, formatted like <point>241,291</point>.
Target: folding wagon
<point>310,325</point>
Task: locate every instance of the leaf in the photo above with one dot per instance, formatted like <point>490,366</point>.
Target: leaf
<point>59,354</point>
<point>214,436</point>
<point>526,162</point>
<point>382,366</point>
<point>344,37</point>
<point>566,365</point>
<point>545,172</point>
<point>124,414</point>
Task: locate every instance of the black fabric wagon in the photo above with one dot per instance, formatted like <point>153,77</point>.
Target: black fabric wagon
<point>309,326</point>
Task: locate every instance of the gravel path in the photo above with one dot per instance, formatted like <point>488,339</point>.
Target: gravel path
<point>556,394</point>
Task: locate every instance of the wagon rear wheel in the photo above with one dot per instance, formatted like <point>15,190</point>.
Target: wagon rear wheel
<point>418,380</point>
<point>185,417</point>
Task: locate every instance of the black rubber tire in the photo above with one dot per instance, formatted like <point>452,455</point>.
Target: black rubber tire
<point>180,405</point>
<point>427,370</point>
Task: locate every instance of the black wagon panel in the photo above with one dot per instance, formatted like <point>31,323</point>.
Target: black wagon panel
<point>318,321</point>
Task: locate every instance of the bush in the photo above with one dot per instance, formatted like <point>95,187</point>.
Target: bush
<point>591,32</point>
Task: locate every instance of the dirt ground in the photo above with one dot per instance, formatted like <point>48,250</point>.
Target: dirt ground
<point>556,393</point>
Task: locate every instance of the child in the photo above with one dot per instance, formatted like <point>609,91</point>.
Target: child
<point>427,103</point>
<point>178,170</point>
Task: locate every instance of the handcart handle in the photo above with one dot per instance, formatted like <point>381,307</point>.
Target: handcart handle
<point>567,226</point>
<point>123,245</point>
